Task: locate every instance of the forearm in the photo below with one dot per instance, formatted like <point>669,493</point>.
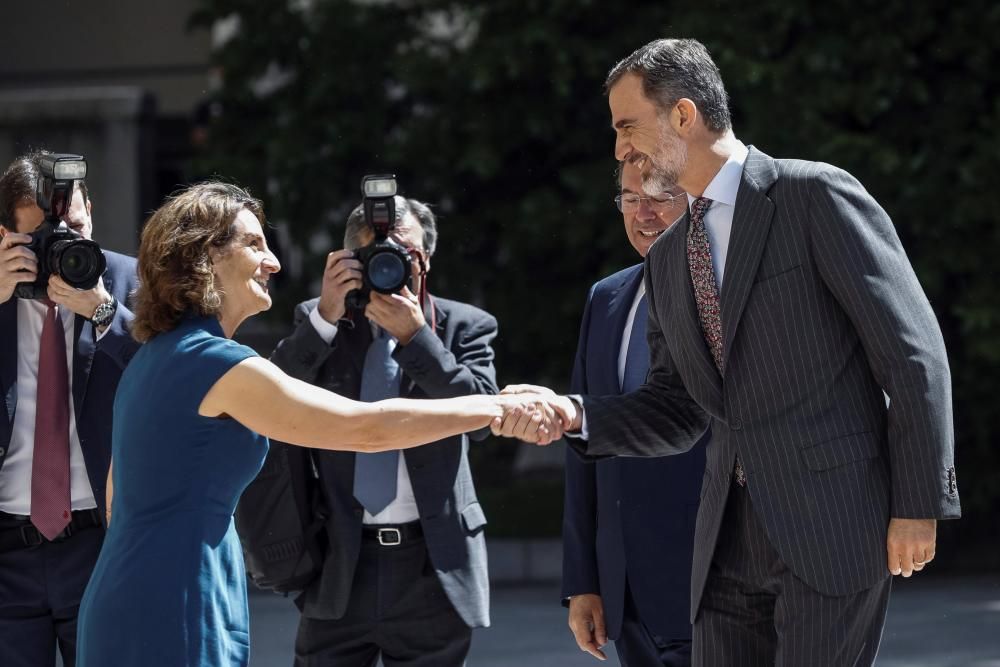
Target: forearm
<point>397,423</point>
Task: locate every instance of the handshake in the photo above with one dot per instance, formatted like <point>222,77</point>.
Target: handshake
<point>536,414</point>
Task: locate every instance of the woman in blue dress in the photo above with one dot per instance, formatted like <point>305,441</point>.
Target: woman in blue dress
<point>191,420</point>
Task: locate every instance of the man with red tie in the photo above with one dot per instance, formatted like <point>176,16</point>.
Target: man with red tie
<point>60,362</point>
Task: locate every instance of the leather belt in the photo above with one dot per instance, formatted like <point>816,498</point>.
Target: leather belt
<point>26,535</point>
<point>392,536</point>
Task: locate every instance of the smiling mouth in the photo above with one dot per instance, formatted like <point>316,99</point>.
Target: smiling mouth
<point>262,282</point>
<point>638,159</point>
<point>651,235</point>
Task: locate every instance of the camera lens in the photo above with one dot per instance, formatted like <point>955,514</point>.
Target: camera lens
<point>386,272</point>
<point>78,261</point>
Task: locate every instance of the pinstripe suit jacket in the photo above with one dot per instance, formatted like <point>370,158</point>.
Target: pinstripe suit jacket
<point>821,313</point>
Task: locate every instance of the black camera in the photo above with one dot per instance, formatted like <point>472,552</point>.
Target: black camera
<point>385,264</point>
<point>60,250</point>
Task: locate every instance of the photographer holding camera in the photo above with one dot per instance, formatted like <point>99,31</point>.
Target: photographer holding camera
<point>64,328</point>
<point>404,557</point>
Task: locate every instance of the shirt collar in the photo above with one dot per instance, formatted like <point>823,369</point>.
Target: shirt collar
<point>726,184</point>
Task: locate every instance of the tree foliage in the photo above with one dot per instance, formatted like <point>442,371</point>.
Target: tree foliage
<point>494,112</point>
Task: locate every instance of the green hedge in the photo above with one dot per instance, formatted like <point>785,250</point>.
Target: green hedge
<point>493,111</point>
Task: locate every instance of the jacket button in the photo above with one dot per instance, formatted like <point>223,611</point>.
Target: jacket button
<point>2,451</point>
<point>736,424</point>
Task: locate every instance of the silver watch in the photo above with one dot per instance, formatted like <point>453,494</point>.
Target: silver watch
<point>104,313</point>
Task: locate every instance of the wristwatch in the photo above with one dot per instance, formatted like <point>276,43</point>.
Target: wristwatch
<point>104,313</point>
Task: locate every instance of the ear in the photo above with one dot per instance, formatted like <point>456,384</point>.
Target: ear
<point>683,116</point>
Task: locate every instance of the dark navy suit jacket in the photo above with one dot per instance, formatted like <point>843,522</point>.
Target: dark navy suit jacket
<point>625,516</point>
<point>97,367</point>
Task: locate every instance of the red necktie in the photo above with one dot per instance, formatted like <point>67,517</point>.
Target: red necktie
<point>50,501</point>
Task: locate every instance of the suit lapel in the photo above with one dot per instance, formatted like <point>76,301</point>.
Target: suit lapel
<point>751,225</point>
<point>8,357</point>
<point>619,304</point>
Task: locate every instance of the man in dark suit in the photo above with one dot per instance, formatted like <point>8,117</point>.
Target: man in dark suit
<point>628,524</point>
<point>59,368</point>
<point>780,310</point>
<point>404,575</point>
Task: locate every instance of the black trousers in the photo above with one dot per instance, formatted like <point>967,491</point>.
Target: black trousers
<point>637,647</point>
<point>398,611</point>
<point>40,592</point>
<point>755,611</point>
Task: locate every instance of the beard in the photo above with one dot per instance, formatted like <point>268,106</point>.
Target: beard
<point>667,165</point>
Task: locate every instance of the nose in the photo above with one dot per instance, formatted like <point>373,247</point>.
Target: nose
<point>645,211</point>
<point>271,263</point>
<point>622,146</point>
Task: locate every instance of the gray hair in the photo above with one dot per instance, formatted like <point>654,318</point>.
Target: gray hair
<point>672,69</point>
<point>356,223</point>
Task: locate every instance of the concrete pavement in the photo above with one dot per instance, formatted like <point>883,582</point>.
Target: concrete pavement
<point>932,622</point>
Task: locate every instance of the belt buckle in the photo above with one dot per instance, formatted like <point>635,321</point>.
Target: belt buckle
<point>389,537</point>
<point>27,530</point>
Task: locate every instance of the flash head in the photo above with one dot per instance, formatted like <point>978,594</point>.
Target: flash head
<point>63,166</point>
<point>377,186</point>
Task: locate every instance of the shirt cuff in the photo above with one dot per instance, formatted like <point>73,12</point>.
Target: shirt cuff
<point>325,330</point>
<point>583,433</point>
<point>101,334</point>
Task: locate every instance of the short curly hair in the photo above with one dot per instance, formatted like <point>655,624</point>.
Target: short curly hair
<point>175,268</point>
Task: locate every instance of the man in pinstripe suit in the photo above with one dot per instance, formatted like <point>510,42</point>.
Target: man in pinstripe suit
<point>791,307</point>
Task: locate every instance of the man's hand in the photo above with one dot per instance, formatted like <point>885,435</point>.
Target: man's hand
<point>586,620</point>
<point>910,545</point>
<point>341,275</point>
<point>399,314</point>
<point>17,263</point>
<point>83,302</point>
<point>570,416</point>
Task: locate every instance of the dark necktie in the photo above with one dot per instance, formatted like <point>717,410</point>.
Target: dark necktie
<point>637,354</point>
<point>706,294</point>
<point>50,500</point>
<point>706,291</point>
<point>375,474</point>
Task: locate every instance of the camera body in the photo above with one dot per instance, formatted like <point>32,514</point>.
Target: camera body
<point>60,250</point>
<point>385,264</point>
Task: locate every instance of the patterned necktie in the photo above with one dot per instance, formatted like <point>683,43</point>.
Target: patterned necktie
<point>375,474</point>
<point>706,294</point>
<point>637,354</point>
<point>706,291</point>
<point>50,500</point>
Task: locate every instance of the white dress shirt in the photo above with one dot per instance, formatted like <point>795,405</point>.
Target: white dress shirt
<point>15,476</point>
<point>722,191</point>
<point>403,508</point>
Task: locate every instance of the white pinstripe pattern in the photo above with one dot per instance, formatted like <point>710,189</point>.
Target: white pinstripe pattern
<point>821,313</point>
<point>755,611</point>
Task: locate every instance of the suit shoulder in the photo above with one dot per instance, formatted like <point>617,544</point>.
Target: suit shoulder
<point>457,310</point>
<point>617,279</point>
<point>806,172</point>
<point>119,262</point>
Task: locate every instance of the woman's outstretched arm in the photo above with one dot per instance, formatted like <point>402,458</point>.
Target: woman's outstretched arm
<point>260,396</point>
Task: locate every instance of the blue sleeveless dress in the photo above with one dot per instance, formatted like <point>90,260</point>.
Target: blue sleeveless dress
<point>169,588</point>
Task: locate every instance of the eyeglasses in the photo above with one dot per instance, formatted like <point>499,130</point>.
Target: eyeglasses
<point>629,202</point>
